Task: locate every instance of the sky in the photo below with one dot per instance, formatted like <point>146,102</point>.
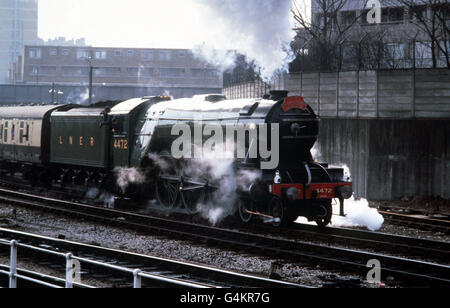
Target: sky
<point>128,23</point>
<point>262,30</point>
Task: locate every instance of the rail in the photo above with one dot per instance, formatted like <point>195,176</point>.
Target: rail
<point>137,274</point>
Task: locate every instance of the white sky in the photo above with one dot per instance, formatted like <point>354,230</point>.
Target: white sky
<point>129,23</point>
<point>124,23</point>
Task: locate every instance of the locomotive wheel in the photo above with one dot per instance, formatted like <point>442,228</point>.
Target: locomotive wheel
<point>191,198</point>
<point>326,213</point>
<point>167,193</point>
<point>243,206</point>
<point>278,212</point>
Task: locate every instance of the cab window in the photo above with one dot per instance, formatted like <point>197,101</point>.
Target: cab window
<point>118,125</point>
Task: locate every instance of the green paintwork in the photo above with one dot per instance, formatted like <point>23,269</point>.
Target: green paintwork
<point>89,146</point>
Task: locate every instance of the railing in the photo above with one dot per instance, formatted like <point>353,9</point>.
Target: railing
<point>72,260</point>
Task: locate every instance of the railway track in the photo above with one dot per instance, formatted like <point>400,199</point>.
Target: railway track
<point>418,221</point>
<point>434,251</point>
<point>163,272</point>
<point>397,270</point>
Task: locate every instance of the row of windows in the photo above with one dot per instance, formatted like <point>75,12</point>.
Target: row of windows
<point>36,53</point>
<point>82,71</point>
<point>399,51</point>
<point>24,131</point>
<point>388,14</point>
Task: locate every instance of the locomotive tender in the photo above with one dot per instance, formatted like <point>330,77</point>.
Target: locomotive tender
<point>85,146</point>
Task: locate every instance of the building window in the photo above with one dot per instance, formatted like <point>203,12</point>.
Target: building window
<point>442,10</point>
<point>107,71</point>
<point>132,71</point>
<point>394,55</point>
<point>445,48</point>
<point>392,14</point>
<point>395,51</point>
<point>418,12</point>
<point>172,73</point>
<point>165,56</point>
<point>35,53</point>
<point>75,71</point>
<point>118,53</point>
<point>422,55</point>
<point>47,71</point>
<point>146,72</point>
<point>100,54</point>
<point>130,53</point>
<point>53,52</point>
<point>33,70</point>
<point>147,55</point>
<point>181,54</point>
<point>348,17</point>
<point>328,19</point>
<point>65,52</point>
<point>140,72</point>
<point>83,54</point>
<point>203,73</point>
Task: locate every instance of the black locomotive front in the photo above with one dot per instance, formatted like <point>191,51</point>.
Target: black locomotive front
<point>299,186</point>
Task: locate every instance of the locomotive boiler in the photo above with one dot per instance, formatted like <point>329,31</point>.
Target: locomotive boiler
<point>88,146</point>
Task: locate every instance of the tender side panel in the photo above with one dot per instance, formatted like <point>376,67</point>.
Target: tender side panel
<point>78,140</point>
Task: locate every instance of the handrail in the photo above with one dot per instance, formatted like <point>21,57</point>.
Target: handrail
<point>70,270</point>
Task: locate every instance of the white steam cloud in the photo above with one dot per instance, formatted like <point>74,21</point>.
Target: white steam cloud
<point>221,174</point>
<point>79,97</point>
<point>358,213</point>
<point>127,176</point>
<point>222,59</point>
<point>259,29</point>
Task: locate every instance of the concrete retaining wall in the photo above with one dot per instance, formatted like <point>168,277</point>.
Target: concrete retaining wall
<point>394,94</point>
<point>390,158</point>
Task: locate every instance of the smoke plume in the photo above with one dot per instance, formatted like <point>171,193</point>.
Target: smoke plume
<point>219,173</point>
<point>127,176</point>
<point>259,29</point>
<point>358,213</point>
<point>79,97</point>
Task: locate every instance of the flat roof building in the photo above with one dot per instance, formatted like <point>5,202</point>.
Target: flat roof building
<point>116,66</point>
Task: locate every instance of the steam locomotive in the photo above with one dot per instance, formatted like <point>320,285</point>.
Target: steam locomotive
<point>70,145</point>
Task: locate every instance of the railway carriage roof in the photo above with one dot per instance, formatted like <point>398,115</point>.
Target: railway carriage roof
<point>27,112</point>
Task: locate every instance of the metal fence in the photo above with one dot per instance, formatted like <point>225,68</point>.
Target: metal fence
<point>70,269</point>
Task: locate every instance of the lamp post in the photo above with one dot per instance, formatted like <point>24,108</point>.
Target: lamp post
<point>53,91</point>
<point>91,70</point>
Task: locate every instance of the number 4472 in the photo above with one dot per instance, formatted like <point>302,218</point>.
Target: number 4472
<point>121,144</point>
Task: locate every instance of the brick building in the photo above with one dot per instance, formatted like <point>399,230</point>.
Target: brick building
<point>116,66</point>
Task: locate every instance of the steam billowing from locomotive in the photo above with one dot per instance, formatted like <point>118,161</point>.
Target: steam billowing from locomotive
<point>260,30</point>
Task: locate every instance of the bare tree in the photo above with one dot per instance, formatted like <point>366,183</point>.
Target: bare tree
<point>431,17</point>
<point>324,32</point>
